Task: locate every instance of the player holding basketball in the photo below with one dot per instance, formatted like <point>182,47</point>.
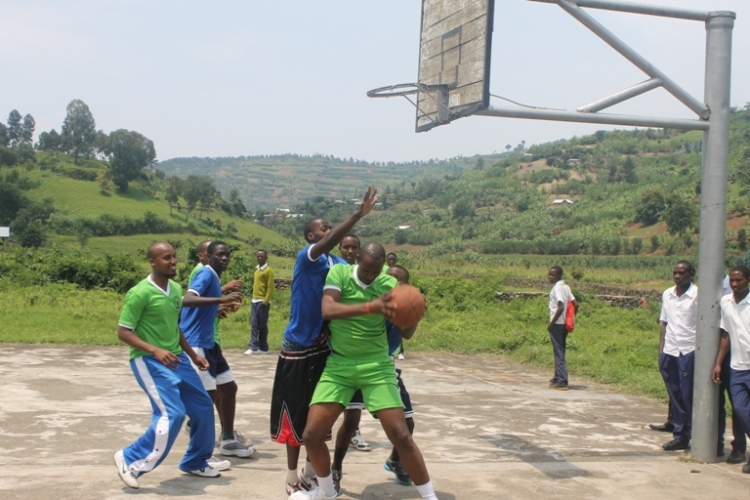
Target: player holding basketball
<point>160,359</point>
<point>304,349</point>
<point>356,300</point>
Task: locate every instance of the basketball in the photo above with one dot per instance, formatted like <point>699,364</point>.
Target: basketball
<point>410,306</point>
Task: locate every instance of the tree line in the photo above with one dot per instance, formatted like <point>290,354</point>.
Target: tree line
<point>128,152</point>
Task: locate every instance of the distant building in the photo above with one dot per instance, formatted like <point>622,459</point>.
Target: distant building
<point>294,216</point>
<point>404,228</point>
<point>562,201</point>
<point>283,210</point>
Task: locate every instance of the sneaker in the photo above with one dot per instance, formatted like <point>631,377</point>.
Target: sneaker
<point>250,352</point>
<point>336,476</point>
<point>401,356</point>
<point>359,443</point>
<point>316,494</point>
<point>207,471</point>
<point>746,468</point>
<point>307,483</point>
<point>128,476</point>
<point>241,439</point>
<point>402,477</point>
<point>558,386</point>
<point>232,447</point>
<point>219,464</point>
<point>736,457</point>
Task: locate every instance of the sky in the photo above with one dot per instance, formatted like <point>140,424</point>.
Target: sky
<point>250,77</point>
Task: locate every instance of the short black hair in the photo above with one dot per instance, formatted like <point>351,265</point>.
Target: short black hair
<point>743,269</point>
<point>261,250</point>
<point>400,268</point>
<point>351,235</point>
<point>202,246</point>
<point>311,225</point>
<point>374,250</point>
<point>688,264</point>
<point>212,246</point>
<point>557,270</point>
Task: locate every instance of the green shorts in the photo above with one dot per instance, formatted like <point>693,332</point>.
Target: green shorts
<point>375,377</point>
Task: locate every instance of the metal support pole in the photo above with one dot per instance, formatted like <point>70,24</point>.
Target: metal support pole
<point>712,228</point>
<point>622,96</point>
<point>631,55</point>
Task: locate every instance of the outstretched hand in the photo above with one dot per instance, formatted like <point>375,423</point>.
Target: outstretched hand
<point>232,297</point>
<point>368,202</point>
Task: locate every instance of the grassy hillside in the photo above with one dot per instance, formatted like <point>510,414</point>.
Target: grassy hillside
<point>76,198</point>
<point>282,181</point>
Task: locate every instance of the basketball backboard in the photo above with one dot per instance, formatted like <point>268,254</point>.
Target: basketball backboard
<point>454,59</point>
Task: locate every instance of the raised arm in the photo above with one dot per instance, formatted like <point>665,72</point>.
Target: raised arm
<point>336,234</point>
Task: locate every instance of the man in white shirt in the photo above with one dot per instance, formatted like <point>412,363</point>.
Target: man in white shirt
<point>678,318</point>
<point>735,332</point>
<point>559,297</point>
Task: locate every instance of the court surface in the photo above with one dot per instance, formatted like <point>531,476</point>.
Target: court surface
<point>489,429</point>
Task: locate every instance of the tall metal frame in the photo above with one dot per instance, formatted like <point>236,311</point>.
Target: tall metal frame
<point>713,119</point>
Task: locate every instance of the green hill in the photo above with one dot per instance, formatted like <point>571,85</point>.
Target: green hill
<point>79,214</point>
<point>281,181</point>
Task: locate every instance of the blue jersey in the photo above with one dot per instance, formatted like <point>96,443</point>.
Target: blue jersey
<point>197,323</point>
<point>308,278</point>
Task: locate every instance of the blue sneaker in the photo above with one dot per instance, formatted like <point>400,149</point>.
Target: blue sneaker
<point>402,477</point>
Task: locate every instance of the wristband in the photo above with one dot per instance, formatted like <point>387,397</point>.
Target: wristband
<point>367,307</point>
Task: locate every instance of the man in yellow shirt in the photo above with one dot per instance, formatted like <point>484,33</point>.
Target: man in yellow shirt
<point>263,288</point>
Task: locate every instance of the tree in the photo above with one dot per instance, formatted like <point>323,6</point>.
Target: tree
<point>12,200</point>
<point>4,137</point>
<point>27,130</point>
<point>679,214</point>
<point>627,171</point>
<point>651,207</point>
<point>742,239</point>
<point>49,141</point>
<point>129,153</point>
<point>78,130</point>
<point>464,207</point>
<point>173,192</point>
<point>198,190</point>
<point>15,127</point>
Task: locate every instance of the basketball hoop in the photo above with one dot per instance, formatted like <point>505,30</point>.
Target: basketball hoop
<point>437,93</point>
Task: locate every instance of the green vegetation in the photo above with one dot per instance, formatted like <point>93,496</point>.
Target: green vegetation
<point>469,227</point>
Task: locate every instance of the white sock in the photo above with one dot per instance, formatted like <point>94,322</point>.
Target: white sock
<point>308,471</point>
<point>427,491</point>
<point>291,476</point>
<point>326,484</point>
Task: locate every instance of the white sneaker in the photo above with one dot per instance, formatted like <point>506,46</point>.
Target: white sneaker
<point>316,494</point>
<point>232,447</point>
<point>250,352</point>
<point>128,476</point>
<point>359,443</point>
<point>242,439</point>
<point>219,464</point>
<point>401,356</point>
<point>205,472</point>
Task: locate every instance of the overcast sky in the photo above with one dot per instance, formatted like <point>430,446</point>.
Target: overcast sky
<point>250,77</point>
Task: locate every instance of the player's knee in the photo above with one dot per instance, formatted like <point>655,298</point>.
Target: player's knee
<point>402,438</point>
<point>313,435</point>
<point>228,390</point>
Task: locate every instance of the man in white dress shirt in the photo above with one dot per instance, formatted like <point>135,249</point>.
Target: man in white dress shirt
<point>677,349</point>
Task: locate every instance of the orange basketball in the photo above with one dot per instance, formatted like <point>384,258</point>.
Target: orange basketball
<point>410,306</point>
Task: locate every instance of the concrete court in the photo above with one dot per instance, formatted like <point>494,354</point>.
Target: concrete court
<point>488,427</point>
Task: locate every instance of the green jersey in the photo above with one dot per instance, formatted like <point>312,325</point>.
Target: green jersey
<point>361,337</point>
<point>217,336</point>
<point>153,314</point>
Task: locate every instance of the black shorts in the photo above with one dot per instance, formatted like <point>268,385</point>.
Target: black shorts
<point>297,374</point>
<point>405,398</point>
